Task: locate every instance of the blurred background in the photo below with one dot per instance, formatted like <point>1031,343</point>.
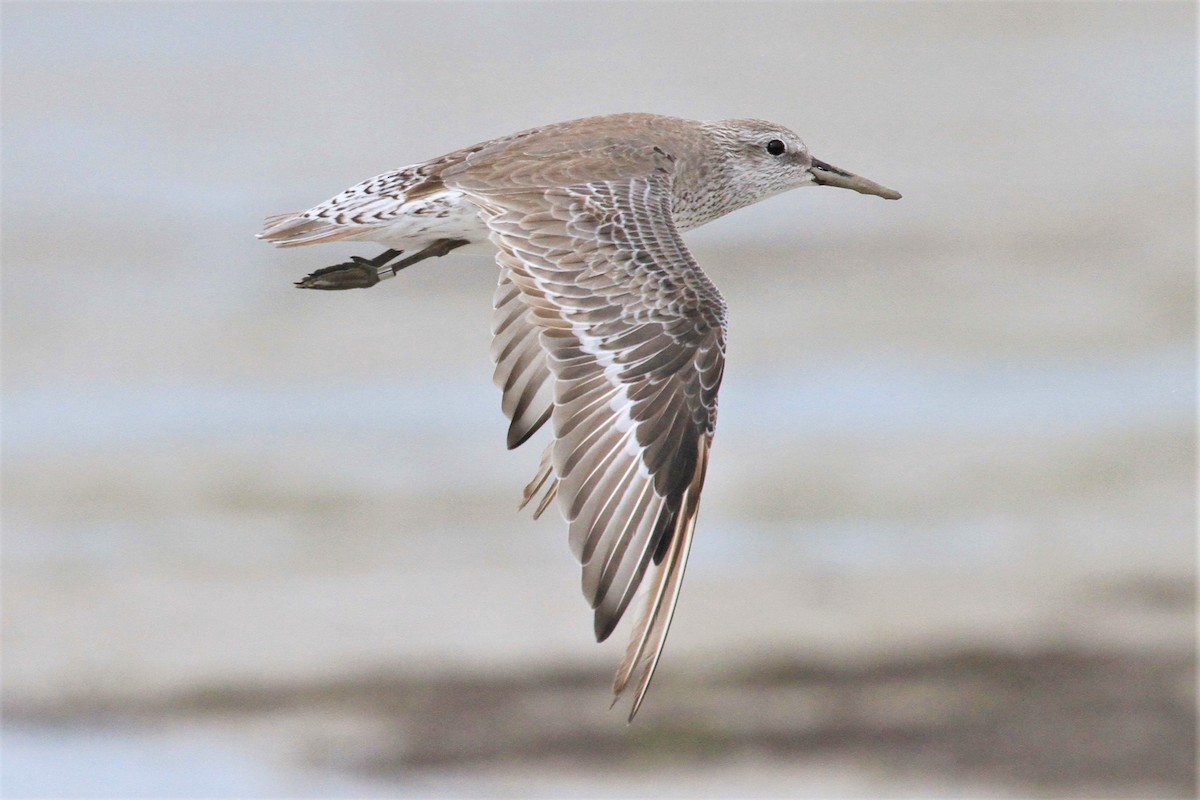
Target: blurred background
<point>263,542</point>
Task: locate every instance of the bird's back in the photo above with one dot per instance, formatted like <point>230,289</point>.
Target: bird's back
<point>426,200</point>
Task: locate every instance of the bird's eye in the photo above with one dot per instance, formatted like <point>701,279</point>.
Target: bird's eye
<point>776,148</point>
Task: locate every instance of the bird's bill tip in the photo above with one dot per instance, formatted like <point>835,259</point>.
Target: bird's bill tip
<point>829,175</point>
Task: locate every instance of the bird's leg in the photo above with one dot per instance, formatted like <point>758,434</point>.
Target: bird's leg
<point>361,273</point>
<point>436,250</point>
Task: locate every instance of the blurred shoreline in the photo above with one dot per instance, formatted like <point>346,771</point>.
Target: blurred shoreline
<point>977,719</point>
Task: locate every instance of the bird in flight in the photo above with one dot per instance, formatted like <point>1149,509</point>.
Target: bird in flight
<point>603,323</point>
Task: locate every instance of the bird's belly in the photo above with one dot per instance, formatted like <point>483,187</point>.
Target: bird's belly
<point>421,222</point>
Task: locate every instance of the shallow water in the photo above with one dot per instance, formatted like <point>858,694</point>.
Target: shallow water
<point>893,401</point>
<point>870,398</point>
<point>131,762</point>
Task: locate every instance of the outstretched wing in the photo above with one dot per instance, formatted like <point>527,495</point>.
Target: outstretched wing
<point>632,333</point>
<point>521,371</point>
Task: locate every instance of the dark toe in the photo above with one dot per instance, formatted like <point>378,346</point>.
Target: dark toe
<point>350,275</point>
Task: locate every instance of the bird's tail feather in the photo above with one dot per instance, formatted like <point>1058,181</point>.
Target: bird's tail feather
<point>294,229</point>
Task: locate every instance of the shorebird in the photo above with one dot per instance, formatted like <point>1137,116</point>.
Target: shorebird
<point>603,323</point>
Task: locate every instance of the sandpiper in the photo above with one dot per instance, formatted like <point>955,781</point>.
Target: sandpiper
<point>603,322</point>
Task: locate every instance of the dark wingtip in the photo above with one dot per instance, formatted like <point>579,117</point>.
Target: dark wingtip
<point>518,436</point>
<point>604,625</point>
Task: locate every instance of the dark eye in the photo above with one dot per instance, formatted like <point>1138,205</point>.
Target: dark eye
<point>776,147</point>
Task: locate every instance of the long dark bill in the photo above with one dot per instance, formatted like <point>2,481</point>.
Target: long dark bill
<point>829,175</point>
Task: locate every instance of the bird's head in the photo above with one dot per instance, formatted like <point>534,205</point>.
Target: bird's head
<point>765,159</point>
